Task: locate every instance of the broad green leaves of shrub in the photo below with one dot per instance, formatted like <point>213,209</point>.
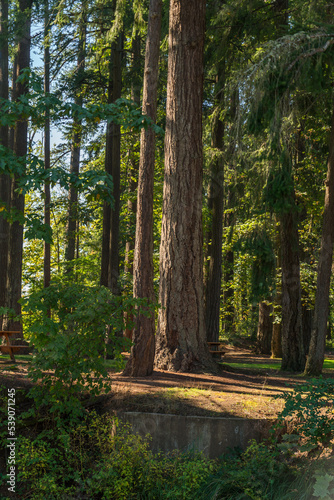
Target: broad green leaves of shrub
<point>101,459</point>
<point>311,407</point>
<point>68,326</point>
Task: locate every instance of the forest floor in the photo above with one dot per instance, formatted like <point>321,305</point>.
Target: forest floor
<point>249,385</point>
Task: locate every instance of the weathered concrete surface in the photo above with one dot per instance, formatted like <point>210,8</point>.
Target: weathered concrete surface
<point>211,435</point>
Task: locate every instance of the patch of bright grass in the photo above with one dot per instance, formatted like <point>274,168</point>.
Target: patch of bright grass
<point>18,357</point>
<point>329,364</point>
<point>274,365</point>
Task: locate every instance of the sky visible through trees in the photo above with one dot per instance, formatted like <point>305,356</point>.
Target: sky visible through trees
<point>190,174</point>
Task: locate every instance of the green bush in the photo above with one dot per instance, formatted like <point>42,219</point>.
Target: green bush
<point>102,459</point>
<point>68,326</point>
<point>310,407</point>
<point>255,474</point>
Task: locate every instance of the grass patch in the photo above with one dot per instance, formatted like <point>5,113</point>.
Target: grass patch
<point>18,357</point>
<point>274,365</point>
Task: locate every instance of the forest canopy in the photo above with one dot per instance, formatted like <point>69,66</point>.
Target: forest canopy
<point>172,168</point>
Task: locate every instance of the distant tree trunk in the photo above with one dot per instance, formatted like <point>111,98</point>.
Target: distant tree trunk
<point>181,339</point>
<point>316,354</point>
<point>307,318</point>
<point>215,233</point>
<point>276,339</point>
<point>14,277</point>
<point>73,209</point>
<point>132,178</point>
<point>110,238</point>
<point>142,352</point>
<point>4,141</point>
<point>47,201</point>
<point>265,328</point>
<point>293,355</point>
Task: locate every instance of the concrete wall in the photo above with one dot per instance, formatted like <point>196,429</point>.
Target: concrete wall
<point>211,435</point>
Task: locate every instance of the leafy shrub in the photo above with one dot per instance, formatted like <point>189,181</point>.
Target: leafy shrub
<point>310,406</point>
<point>68,326</point>
<point>254,474</point>
<point>101,458</point>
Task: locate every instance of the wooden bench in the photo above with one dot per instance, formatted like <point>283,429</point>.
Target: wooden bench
<point>10,348</point>
<point>215,349</point>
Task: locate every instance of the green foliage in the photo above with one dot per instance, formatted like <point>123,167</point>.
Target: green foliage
<point>68,325</point>
<point>255,474</point>
<point>310,406</point>
<point>258,244</point>
<point>100,458</point>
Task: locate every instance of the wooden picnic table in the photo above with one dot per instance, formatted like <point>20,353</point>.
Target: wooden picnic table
<point>215,348</point>
<point>9,348</point>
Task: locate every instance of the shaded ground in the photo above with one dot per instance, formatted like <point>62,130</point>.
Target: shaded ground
<point>235,392</point>
<point>238,393</point>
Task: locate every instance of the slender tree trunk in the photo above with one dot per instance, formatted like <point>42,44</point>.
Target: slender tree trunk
<point>73,209</point>
<point>316,354</point>
<point>181,338</point>
<point>265,328</point>
<point>215,235</point>
<point>293,355</point>
<point>110,237</point>
<point>113,271</point>
<point>14,278</point>
<point>4,141</point>
<point>276,339</point>
<point>142,352</point>
<point>132,181</point>
<point>47,200</point>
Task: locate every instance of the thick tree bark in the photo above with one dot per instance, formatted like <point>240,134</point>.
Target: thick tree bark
<point>215,234</point>
<point>293,355</point>
<point>73,209</point>
<point>181,339</point>
<point>14,277</point>
<point>47,200</point>
<point>316,353</point>
<point>142,352</point>
<point>4,141</point>
<point>265,328</point>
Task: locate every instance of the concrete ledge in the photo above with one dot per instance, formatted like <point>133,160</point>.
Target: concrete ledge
<point>211,435</point>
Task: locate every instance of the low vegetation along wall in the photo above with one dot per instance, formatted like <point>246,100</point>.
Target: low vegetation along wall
<point>213,436</point>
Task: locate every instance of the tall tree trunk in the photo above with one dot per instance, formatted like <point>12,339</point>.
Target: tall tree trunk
<point>265,328</point>
<point>181,339</point>
<point>132,180</point>
<point>293,355</point>
<point>47,200</point>
<point>113,271</point>
<point>215,234</point>
<point>316,353</point>
<point>14,278</point>
<point>73,209</point>
<point>4,141</point>
<point>142,352</point>
<point>110,237</point>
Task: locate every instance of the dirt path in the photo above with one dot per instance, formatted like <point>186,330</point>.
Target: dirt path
<point>252,394</point>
